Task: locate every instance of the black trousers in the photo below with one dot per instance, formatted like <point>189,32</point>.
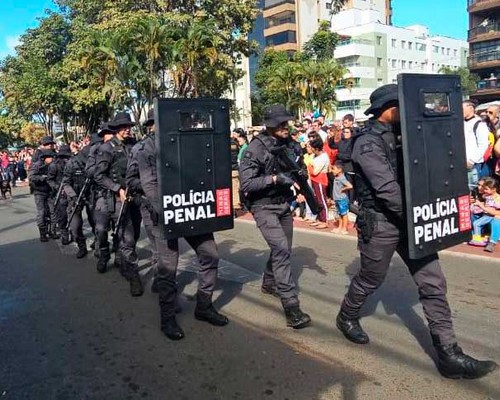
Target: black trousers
<point>426,272</point>
<point>275,222</point>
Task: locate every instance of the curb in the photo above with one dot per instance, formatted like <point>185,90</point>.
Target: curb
<point>452,253</point>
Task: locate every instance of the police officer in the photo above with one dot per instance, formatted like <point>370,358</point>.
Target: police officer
<point>47,143</point>
<point>168,254</point>
<point>266,188</point>
<point>135,189</point>
<point>41,190</point>
<point>104,134</point>
<point>54,179</point>
<point>377,160</point>
<point>110,173</point>
<point>73,183</point>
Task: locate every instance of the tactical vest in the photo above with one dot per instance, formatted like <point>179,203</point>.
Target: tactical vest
<point>119,162</point>
<point>364,192</point>
<point>272,166</point>
<point>79,175</point>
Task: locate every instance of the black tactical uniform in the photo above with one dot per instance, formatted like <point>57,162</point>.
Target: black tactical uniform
<point>168,254</point>
<point>73,183</point>
<point>94,145</point>
<point>110,173</point>
<point>135,190</point>
<point>41,190</point>
<point>377,160</point>
<point>47,143</point>
<point>54,179</point>
<point>267,198</point>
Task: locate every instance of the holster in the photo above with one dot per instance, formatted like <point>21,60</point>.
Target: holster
<point>365,223</point>
<point>110,201</point>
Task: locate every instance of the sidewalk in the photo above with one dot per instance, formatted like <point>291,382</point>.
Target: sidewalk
<point>461,248</point>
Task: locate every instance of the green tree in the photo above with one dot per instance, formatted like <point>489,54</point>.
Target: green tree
<point>322,44</point>
<point>467,80</point>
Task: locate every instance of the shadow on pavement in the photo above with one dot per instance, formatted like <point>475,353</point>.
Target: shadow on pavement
<point>68,332</point>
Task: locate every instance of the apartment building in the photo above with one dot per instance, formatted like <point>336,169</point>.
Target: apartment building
<point>376,52</point>
<point>484,47</point>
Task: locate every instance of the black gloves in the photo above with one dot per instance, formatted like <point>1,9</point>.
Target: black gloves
<point>284,180</point>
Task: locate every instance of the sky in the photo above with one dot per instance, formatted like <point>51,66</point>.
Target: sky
<point>443,17</point>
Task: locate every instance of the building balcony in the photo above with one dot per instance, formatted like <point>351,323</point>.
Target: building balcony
<point>487,32</point>
<point>490,59</point>
<point>349,48</point>
<point>279,7</point>
<point>482,5</point>
<point>487,89</point>
<point>280,28</point>
<point>285,47</point>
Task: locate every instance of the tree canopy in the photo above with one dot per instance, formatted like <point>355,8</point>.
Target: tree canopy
<point>90,58</point>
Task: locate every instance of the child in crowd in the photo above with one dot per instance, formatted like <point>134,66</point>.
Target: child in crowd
<point>490,208</point>
<point>319,180</point>
<point>340,186</point>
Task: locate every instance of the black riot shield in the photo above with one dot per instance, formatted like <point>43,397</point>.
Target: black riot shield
<point>436,191</point>
<point>194,166</point>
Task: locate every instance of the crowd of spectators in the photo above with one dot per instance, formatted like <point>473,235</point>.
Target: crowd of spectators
<point>324,150</point>
<point>482,144</point>
<point>15,164</point>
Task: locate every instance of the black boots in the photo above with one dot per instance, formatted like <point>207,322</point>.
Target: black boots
<point>102,265</point>
<point>170,328</point>
<point>43,234</point>
<point>351,329</point>
<point>454,364</point>
<point>169,325</point>
<point>205,311</point>
<point>136,288</point>
<point>54,234</point>
<point>65,239</point>
<point>295,318</point>
<point>82,249</point>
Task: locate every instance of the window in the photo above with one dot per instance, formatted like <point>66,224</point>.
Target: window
<point>380,82</point>
<point>394,43</point>
<point>379,40</point>
<point>328,6</point>
<point>448,51</point>
<point>433,67</point>
<point>403,64</point>
<point>455,52</point>
<point>403,44</point>
<point>410,64</point>
<point>442,51</point>
<point>394,63</point>
<point>281,38</point>
<point>379,62</point>
<point>421,46</point>
<point>435,49</point>
<point>410,45</point>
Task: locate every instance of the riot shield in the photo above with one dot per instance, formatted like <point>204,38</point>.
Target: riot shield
<point>194,166</point>
<point>436,191</point>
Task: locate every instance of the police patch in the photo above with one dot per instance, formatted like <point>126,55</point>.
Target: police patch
<point>366,148</point>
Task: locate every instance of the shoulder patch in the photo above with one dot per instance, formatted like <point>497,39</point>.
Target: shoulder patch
<point>248,154</point>
<point>366,148</point>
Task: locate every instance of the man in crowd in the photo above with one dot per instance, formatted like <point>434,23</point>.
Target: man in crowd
<point>266,187</point>
<point>476,142</point>
<point>377,160</point>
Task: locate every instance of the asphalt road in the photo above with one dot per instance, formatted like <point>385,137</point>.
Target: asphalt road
<point>67,332</point>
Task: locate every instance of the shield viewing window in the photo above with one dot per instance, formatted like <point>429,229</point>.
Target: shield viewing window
<point>436,104</point>
<point>196,120</point>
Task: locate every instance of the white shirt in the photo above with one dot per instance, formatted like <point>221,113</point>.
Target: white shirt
<point>476,143</point>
